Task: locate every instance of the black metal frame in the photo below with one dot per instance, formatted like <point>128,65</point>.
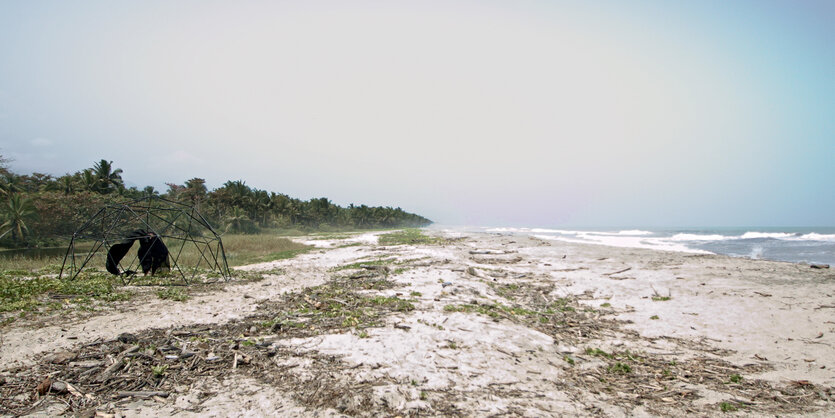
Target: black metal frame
<point>176,223</point>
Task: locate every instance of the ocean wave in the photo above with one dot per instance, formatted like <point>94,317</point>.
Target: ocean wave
<point>814,236</point>
<point>556,231</point>
<point>634,232</point>
<point>626,242</point>
<point>699,237</point>
<point>774,235</point>
<point>624,233</point>
<point>507,230</point>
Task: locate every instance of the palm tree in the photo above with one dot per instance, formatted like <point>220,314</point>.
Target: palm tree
<point>88,181</point>
<point>10,184</point>
<point>149,191</point>
<point>238,221</point>
<point>109,180</point>
<point>17,211</point>
<point>195,191</point>
<point>66,184</point>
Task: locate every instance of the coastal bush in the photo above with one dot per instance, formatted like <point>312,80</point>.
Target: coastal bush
<point>408,237</point>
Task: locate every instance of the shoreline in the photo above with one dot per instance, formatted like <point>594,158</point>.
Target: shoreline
<point>493,324</point>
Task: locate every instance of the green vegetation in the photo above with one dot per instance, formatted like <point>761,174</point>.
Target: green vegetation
<point>358,265</point>
<point>159,370</point>
<point>568,360</point>
<point>38,209</point>
<point>173,293</point>
<point>727,407</point>
<point>408,237</point>
<point>735,378</point>
<point>661,298</point>
<point>620,368</point>
<point>23,291</point>
<point>596,352</point>
<point>248,249</point>
<point>654,317</point>
<point>334,305</point>
<point>606,305</point>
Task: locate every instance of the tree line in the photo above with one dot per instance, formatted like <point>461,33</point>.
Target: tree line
<point>37,208</point>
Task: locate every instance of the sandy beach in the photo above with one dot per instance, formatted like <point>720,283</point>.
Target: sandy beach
<point>470,325</point>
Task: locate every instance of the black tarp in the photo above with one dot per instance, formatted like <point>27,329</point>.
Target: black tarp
<point>153,254</point>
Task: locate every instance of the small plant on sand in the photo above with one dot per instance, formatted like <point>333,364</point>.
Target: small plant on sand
<point>596,352</point>
<point>568,360</point>
<point>654,317</point>
<point>415,294</point>
<point>363,334</point>
<point>620,368</point>
<point>657,297</point>
<point>606,305</point>
<point>414,382</point>
<point>423,395</point>
<point>159,370</point>
<point>172,293</point>
<point>727,407</point>
<point>735,378</point>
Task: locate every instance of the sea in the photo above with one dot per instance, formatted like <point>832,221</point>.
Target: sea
<point>797,245</point>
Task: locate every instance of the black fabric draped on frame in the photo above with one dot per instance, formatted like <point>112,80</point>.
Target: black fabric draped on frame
<point>153,254</point>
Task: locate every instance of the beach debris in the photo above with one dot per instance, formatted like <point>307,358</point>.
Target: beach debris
<point>618,272</point>
<point>61,357</point>
<point>375,267</point>
<point>58,387</point>
<point>492,252</point>
<point>126,338</point>
<point>44,386</point>
<point>819,266</point>
<point>141,394</point>
<point>497,260</point>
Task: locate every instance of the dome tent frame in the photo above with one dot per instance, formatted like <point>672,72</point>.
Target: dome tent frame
<point>178,225</point>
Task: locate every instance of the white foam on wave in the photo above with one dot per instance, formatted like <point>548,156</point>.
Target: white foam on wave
<point>507,230</point>
<point>556,231</point>
<point>775,235</point>
<point>699,237</point>
<point>626,242</point>
<point>814,236</point>
<point>634,232</point>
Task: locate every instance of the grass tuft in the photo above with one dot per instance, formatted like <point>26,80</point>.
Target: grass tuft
<point>408,237</point>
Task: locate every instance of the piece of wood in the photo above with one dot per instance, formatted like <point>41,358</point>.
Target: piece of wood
<point>141,394</point>
<point>108,372</point>
<point>618,272</point>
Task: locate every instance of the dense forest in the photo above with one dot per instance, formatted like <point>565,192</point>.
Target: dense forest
<point>38,209</point>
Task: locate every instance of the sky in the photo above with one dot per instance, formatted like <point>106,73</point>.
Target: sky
<point>493,113</point>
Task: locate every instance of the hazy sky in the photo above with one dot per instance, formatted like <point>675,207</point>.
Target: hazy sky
<point>528,113</point>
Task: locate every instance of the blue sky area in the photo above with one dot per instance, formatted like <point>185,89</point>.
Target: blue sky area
<point>525,113</point>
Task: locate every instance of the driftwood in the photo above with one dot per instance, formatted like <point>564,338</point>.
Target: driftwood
<point>617,272</point>
<point>141,394</point>
<point>105,375</point>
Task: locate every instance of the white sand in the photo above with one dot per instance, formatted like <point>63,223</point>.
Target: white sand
<point>780,315</point>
